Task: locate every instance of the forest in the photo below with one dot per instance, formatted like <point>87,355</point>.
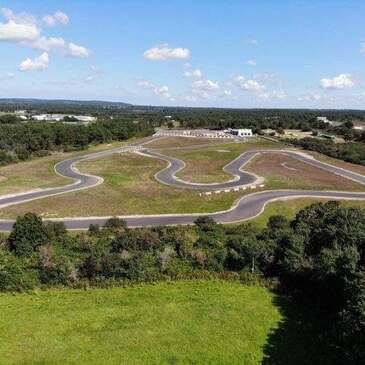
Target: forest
<point>21,141</point>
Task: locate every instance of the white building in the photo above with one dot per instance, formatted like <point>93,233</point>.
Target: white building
<point>243,132</point>
<point>59,117</point>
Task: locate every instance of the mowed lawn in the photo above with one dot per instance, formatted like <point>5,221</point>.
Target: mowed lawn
<point>208,322</point>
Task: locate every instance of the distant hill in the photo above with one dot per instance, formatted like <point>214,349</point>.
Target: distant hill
<point>59,104</point>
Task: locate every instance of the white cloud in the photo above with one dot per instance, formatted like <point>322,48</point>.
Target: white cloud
<point>205,85</point>
<point>253,42</point>
<point>19,27</point>
<point>251,62</point>
<point>22,29</point>
<point>275,94</point>
<point>202,89</point>
<point>57,18</point>
<point>189,98</point>
<point>247,84</point>
<point>7,76</point>
<point>159,90</point>
<point>227,95</point>
<point>89,78</point>
<point>37,64</point>
<point>75,50</point>
<point>163,53</point>
<point>16,32</point>
<point>310,97</point>
<point>60,45</point>
<point>193,73</point>
<point>341,81</point>
<point>20,18</point>
<point>48,44</point>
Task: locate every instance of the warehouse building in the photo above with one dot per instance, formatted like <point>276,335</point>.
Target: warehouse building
<point>244,132</point>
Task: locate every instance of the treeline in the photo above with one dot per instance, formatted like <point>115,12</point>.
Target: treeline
<point>353,152</point>
<point>317,259</point>
<point>259,119</point>
<point>20,141</point>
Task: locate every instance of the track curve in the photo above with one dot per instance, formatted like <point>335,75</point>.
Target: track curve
<point>234,168</point>
<point>246,208</point>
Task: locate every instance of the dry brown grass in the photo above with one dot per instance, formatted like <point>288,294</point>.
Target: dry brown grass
<point>177,142</point>
<point>282,171</point>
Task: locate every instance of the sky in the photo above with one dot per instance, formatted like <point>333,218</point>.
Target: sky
<point>210,53</point>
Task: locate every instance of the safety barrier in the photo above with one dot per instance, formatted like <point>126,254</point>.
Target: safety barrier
<point>240,188</point>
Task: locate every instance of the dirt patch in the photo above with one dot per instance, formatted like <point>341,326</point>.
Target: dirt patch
<point>285,172</point>
<point>284,164</point>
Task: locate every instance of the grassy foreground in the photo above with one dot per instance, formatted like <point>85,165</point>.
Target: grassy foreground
<point>210,322</point>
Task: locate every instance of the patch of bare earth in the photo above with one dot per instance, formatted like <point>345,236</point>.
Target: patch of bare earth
<point>282,171</point>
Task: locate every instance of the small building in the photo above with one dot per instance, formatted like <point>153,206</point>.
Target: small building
<point>243,132</point>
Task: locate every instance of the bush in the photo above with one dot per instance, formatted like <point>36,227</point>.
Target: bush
<point>205,223</point>
<point>14,275</point>
<point>28,233</point>
<point>53,269</point>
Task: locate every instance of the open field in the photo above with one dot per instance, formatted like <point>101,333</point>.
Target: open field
<point>39,172</point>
<point>210,322</point>
<point>290,208</point>
<point>284,172</point>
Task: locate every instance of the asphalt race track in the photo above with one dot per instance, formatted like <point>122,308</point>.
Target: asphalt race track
<point>240,178</point>
<point>247,207</point>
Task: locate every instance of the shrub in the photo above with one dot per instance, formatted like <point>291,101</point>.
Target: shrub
<point>14,275</point>
<point>28,233</point>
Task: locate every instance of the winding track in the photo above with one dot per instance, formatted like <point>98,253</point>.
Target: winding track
<point>247,207</point>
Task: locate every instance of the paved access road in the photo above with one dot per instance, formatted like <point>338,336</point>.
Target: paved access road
<point>249,206</point>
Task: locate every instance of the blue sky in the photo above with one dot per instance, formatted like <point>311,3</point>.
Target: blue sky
<point>230,53</point>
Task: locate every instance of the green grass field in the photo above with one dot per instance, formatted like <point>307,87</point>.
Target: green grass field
<point>210,322</point>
